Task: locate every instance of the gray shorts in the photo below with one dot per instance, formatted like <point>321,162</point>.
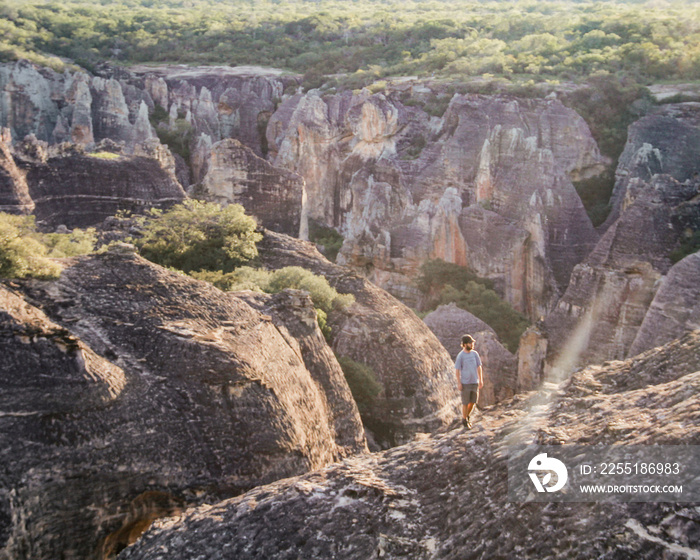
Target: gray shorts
<point>470,393</point>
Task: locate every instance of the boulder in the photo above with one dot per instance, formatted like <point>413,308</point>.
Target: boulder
<point>136,391</point>
<point>82,189</point>
<point>675,308</point>
<point>419,387</point>
<point>446,495</point>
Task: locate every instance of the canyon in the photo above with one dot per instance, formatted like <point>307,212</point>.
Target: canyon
<point>138,393</point>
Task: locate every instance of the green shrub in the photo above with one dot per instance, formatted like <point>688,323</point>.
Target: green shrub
<point>24,252</point>
<point>200,236</point>
<point>436,273</point>
<point>689,245</point>
<point>444,282</point>
<point>324,296</point>
<point>362,382</point>
<point>327,237</point>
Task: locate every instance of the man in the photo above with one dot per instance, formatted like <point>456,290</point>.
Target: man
<point>470,377</point>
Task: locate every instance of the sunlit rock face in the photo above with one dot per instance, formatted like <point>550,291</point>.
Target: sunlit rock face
<point>14,192</point>
<point>417,374</point>
<point>675,308</point>
<point>655,208</point>
<point>235,175</point>
<point>420,500</point>
<point>487,186</point>
<point>136,391</point>
<point>449,323</point>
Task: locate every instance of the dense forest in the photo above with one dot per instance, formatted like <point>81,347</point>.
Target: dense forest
<point>535,40</point>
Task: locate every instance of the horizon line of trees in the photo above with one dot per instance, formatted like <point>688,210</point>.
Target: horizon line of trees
<point>541,40</point>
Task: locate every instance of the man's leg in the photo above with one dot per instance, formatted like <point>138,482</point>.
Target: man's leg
<point>466,410</point>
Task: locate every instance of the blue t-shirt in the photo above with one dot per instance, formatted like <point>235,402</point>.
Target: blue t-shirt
<point>467,363</point>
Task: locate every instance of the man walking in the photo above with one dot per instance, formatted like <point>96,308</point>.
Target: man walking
<point>470,377</point>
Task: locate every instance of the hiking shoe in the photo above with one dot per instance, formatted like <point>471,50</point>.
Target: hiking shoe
<point>468,423</point>
<point>465,423</point>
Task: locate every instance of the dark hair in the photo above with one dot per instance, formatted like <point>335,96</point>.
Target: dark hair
<point>466,339</point>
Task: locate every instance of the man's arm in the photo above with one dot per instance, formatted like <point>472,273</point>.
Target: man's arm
<point>459,379</point>
<point>480,371</point>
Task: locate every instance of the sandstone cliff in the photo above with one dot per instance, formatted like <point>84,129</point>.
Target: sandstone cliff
<point>487,185</point>
<point>675,309</point>
<point>445,496</point>
<point>235,175</point>
<point>14,192</point>
<point>420,392</point>
<point>135,391</point>
<point>77,189</point>
<point>449,323</point>
<point>655,205</point>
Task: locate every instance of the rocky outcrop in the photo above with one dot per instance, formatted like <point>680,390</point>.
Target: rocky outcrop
<point>675,309</point>
<point>420,391</point>
<point>14,192</point>
<point>136,391</point>
<point>69,107</point>
<point>79,189</point>
<point>449,323</point>
<point>655,206</point>
<point>219,101</point>
<point>274,196</point>
<point>446,495</point>
<point>486,186</point>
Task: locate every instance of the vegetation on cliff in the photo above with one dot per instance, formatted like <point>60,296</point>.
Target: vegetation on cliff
<point>442,282</point>
<point>24,252</point>
<point>323,295</point>
<point>362,382</point>
<point>213,244</point>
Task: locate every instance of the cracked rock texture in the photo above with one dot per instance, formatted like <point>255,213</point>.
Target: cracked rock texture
<point>445,495</point>
<point>130,392</point>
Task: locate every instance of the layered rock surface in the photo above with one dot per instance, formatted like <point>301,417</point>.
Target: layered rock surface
<point>78,189</point>
<point>449,323</point>
<point>420,391</point>
<point>235,175</point>
<point>136,391</point>
<point>486,186</point>
<point>655,206</point>
<point>14,192</point>
<point>446,495</point>
<point>675,308</point>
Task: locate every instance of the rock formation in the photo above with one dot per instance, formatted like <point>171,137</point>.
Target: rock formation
<point>446,495</point>
<point>420,392</point>
<point>79,189</point>
<point>14,192</point>
<point>219,101</point>
<point>274,196</point>
<point>136,391</point>
<point>655,204</point>
<point>449,323</point>
<point>487,186</point>
<point>675,309</point>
